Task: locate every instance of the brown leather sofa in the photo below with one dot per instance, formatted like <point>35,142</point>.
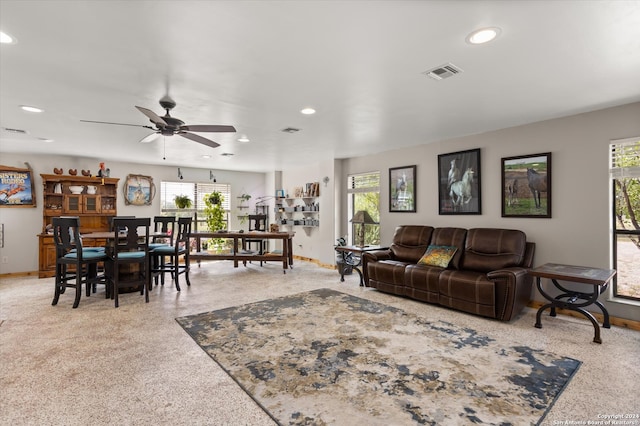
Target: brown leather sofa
<point>487,276</point>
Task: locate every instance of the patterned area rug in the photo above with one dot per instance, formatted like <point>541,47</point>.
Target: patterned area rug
<point>325,357</point>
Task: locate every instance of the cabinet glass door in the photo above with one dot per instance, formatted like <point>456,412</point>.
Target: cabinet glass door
<point>73,204</point>
<point>92,204</point>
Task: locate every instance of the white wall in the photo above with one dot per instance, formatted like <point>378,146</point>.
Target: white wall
<point>23,224</point>
<point>578,232</point>
<point>315,243</point>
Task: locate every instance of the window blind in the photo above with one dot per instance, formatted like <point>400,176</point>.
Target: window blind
<point>195,191</point>
<point>363,182</point>
<point>625,158</point>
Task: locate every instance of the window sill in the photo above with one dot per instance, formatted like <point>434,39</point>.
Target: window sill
<point>623,301</point>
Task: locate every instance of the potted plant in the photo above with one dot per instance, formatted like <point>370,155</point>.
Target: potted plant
<point>215,216</point>
<point>183,201</point>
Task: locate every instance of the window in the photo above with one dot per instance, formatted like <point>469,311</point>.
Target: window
<point>196,192</point>
<point>625,178</point>
<point>364,194</point>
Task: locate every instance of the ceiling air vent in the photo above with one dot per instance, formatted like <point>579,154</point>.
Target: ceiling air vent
<point>290,130</point>
<point>443,71</point>
<point>10,130</point>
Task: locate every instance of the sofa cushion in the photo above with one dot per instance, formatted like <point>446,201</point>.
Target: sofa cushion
<point>451,237</point>
<point>423,277</point>
<point>387,271</point>
<point>488,249</point>
<point>410,242</point>
<point>467,291</point>
<point>438,256</point>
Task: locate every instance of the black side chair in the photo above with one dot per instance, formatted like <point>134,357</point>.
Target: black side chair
<point>128,257</point>
<point>257,222</point>
<point>75,265</point>
<point>173,253</point>
<point>111,219</point>
<point>164,225</point>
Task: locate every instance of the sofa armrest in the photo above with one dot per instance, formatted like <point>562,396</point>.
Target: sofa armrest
<point>513,288</point>
<point>371,257</point>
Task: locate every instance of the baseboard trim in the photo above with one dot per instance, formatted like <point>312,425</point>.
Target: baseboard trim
<point>620,322</point>
<point>19,274</point>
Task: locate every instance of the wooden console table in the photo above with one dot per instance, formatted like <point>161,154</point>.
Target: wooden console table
<point>574,300</point>
<point>286,257</point>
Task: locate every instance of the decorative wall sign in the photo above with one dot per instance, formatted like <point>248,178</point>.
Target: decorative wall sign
<point>16,187</point>
<point>526,186</point>
<point>459,182</point>
<point>402,189</point>
<point>138,190</point>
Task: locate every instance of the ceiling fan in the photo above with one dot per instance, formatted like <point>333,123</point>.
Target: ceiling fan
<point>169,126</point>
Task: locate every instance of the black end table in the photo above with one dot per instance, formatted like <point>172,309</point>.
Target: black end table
<point>354,263</point>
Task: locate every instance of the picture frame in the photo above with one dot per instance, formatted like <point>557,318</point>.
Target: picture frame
<point>402,189</point>
<point>526,186</point>
<point>138,190</point>
<point>16,187</point>
<point>459,183</point>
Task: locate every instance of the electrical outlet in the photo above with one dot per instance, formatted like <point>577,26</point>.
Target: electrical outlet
<point>5,259</point>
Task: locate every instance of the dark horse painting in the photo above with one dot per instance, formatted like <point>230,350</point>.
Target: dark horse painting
<point>537,184</point>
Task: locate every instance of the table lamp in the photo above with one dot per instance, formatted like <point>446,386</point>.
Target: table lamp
<point>363,218</point>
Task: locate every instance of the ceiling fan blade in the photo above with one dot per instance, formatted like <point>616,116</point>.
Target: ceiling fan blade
<point>199,139</point>
<point>209,128</point>
<point>117,124</point>
<point>155,118</point>
<point>150,138</point>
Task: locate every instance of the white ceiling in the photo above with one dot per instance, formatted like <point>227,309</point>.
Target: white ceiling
<point>256,64</point>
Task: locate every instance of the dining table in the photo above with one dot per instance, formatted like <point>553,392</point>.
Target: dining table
<point>237,253</point>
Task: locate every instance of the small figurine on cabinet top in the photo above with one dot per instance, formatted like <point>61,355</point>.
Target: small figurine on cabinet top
<point>103,172</point>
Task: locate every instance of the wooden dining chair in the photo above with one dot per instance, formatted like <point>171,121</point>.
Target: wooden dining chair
<point>75,265</point>
<point>128,257</point>
<point>165,226</point>
<point>257,222</point>
<point>173,253</point>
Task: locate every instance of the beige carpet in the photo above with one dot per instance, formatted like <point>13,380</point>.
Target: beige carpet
<point>97,365</point>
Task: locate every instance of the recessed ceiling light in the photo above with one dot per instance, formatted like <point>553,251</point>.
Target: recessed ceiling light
<point>308,111</point>
<point>243,138</point>
<point>46,140</point>
<point>483,35</point>
<point>31,108</point>
<point>6,38</point>
<point>206,156</point>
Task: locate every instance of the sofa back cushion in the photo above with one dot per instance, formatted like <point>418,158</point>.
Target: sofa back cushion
<point>488,249</point>
<point>451,237</point>
<point>410,242</point>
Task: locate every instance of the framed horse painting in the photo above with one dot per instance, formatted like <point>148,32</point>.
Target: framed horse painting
<point>459,183</point>
<point>526,186</point>
<point>402,189</point>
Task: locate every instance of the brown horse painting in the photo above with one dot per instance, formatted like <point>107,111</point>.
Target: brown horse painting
<point>537,184</point>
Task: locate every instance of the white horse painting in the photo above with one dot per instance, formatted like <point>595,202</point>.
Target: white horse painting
<point>460,191</point>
